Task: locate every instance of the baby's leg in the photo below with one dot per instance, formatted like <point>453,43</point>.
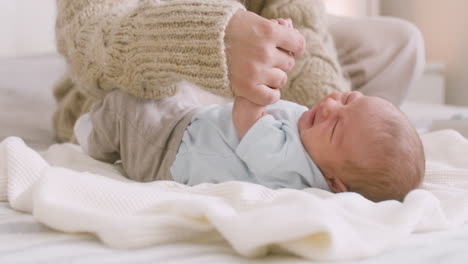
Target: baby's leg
<point>143,134</point>
<point>382,56</point>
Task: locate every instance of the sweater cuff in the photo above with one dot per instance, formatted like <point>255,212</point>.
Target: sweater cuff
<point>157,46</point>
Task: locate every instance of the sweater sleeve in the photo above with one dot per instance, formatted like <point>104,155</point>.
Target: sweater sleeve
<point>145,47</point>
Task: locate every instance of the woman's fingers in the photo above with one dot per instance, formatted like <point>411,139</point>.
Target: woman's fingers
<point>284,22</point>
<point>283,60</point>
<point>267,94</point>
<point>260,94</point>
<point>259,53</point>
<point>274,78</point>
<point>291,40</point>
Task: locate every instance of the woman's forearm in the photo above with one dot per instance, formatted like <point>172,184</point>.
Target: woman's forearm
<point>145,47</point>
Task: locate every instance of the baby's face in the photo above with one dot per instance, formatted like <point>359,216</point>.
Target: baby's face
<point>336,129</point>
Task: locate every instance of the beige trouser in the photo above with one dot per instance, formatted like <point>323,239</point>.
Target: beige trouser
<point>381,56</point>
<point>144,134</point>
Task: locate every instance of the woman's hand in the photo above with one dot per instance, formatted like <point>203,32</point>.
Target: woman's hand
<point>260,52</point>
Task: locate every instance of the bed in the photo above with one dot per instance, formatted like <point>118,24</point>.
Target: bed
<point>26,106</point>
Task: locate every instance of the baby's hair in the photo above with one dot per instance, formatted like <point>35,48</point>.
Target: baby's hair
<point>395,161</point>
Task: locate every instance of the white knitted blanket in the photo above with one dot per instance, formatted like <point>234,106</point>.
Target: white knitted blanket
<point>68,191</point>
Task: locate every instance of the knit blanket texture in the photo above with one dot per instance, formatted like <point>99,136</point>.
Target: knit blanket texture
<point>70,192</point>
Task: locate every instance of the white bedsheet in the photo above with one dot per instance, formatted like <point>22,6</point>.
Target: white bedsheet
<point>255,220</point>
<point>24,240</point>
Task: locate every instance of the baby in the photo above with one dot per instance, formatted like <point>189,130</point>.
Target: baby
<point>359,143</point>
<point>348,142</point>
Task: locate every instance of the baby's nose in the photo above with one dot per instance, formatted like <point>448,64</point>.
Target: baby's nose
<point>330,107</point>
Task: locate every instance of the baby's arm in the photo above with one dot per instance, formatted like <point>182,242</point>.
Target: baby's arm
<point>245,114</point>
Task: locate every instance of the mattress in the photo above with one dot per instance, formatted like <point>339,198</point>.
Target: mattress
<point>26,107</point>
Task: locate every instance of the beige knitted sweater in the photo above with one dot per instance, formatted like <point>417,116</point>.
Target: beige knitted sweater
<point>145,47</point>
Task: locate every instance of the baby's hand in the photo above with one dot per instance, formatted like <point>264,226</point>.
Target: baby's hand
<point>284,22</point>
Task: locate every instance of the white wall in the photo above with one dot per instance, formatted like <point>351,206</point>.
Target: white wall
<point>27,27</point>
<point>445,28</point>
<point>353,8</point>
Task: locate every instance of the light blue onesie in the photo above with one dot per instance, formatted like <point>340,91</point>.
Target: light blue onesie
<point>270,153</point>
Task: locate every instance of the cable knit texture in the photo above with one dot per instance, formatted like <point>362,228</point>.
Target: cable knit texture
<point>146,47</point>
<point>141,47</point>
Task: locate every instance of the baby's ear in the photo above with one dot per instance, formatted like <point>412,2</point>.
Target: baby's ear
<point>336,184</point>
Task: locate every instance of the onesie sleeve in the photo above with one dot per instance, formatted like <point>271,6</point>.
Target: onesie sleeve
<point>273,153</point>
<point>145,47</point>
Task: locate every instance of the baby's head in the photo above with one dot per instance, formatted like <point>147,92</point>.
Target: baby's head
<point>363,144</point>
